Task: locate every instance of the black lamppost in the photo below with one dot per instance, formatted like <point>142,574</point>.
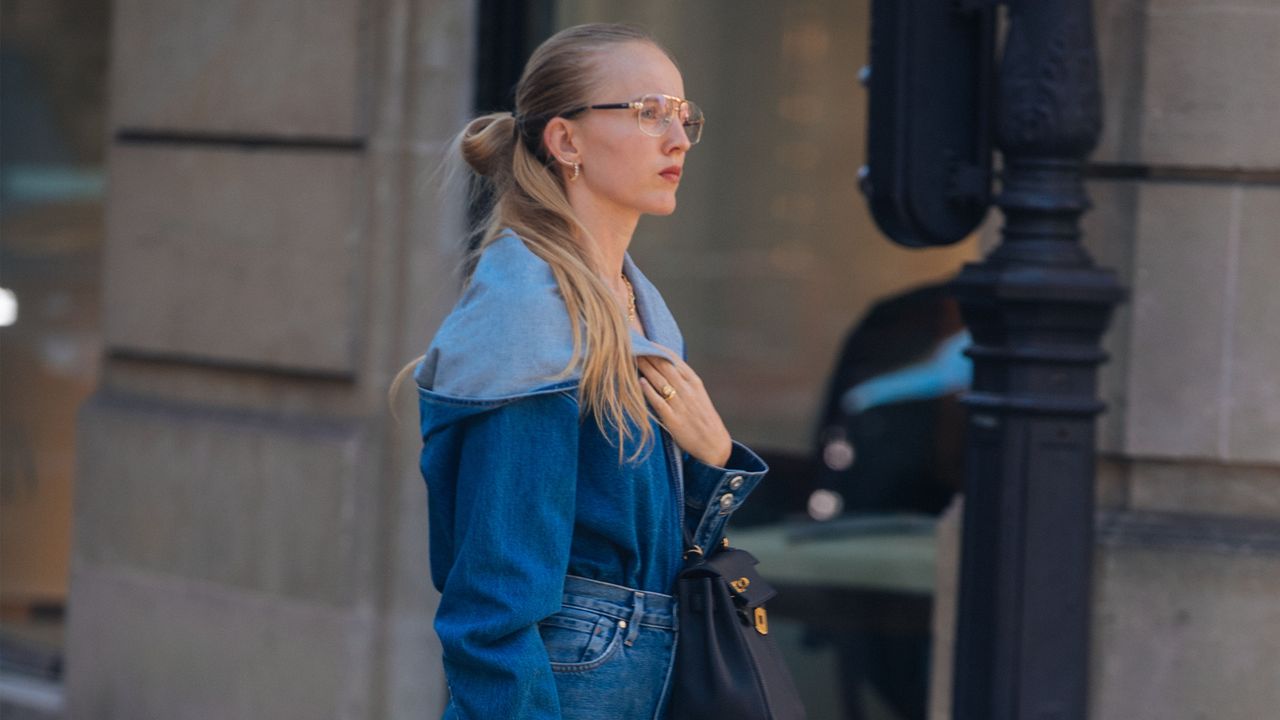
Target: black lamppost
<point>1036,308</point>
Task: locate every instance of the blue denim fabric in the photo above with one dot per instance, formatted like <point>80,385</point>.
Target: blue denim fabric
<point>527,501</point>
<point>611,650</point>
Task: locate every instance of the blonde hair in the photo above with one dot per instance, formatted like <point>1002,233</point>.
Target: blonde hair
<point>529,197</point>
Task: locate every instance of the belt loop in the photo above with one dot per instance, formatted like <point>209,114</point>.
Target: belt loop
<point>637,612</point>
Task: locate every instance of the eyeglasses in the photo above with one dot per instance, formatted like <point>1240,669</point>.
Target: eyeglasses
<point>655,113</point>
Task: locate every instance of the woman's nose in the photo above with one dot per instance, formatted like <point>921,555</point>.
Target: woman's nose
<point>679,136</point>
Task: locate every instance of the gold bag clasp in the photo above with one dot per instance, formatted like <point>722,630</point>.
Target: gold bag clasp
<point>762,621</point>
<point>740,584</point>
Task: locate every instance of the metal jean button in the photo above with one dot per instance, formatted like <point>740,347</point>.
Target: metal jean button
<point>736,482</point>
<point>726,501</point>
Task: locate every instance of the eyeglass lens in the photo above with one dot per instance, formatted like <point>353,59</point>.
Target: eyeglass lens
<point>657,111</point>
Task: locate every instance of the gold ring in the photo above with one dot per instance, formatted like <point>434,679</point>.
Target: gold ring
<point>667,392</point>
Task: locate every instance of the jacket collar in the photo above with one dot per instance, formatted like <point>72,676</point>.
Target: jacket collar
<point>509,335</point>
<point>659,325</point>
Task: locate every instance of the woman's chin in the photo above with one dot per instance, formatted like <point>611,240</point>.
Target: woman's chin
<point>665,206</point>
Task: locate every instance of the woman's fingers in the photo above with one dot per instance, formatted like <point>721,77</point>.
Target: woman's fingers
<point>688,413</point>
<point>687,372</point>
<point>680,367</point>
<point>663,379</point>
<point>655,399</point>
<point>668,418</point>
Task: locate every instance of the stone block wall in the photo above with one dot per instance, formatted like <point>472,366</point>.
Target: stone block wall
<point>1189,554</point>
<point>1187,188</point>
<point>250,533</point>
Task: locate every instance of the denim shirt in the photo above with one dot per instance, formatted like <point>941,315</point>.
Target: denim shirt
<point>522,491</point>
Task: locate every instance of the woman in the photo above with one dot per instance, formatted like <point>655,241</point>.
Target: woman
<point>570,453</point>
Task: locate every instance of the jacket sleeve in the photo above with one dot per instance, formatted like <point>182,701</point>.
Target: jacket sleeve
<point>712,493</point>
<point>513,526</point>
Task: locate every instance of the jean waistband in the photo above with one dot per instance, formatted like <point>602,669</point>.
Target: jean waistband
<point>654,609</point>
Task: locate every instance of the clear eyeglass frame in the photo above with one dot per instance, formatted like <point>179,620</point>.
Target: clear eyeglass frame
<point>655,112</point>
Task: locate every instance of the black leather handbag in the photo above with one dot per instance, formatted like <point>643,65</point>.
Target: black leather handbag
<point>727,665</point>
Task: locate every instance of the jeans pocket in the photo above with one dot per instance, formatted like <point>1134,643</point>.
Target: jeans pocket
<point>578,639</point>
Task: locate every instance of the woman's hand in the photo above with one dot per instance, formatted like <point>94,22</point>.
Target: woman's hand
<point>686,410</point>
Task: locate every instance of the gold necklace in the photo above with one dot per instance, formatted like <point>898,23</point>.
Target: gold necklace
<point>631,298</point>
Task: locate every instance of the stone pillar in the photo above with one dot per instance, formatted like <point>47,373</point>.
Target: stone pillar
<point>1188,191</point>
<point>250,527</point>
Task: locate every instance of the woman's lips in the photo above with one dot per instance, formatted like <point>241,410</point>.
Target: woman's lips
<point>671,173</point>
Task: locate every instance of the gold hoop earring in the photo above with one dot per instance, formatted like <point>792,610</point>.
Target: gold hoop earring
<point>577,168</point>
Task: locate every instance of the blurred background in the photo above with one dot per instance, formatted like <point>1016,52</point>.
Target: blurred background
<point>221,237</point>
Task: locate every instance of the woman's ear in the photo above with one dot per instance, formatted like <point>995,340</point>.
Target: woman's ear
<point>559,139</point>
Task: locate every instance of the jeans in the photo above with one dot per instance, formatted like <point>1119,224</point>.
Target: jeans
<point>611,650</point>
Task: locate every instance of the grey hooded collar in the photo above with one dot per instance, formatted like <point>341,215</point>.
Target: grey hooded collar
<point>509,333</point>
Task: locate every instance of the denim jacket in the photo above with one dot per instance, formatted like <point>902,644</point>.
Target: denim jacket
<point>522,491</point>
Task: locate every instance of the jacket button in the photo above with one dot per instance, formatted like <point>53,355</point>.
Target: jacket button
<point>622,624</point>
<point>726,500</point>
<point>736,482</point>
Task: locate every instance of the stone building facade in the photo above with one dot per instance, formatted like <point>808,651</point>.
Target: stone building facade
<point>249,538</point>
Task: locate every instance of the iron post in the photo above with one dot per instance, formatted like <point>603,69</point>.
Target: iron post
<point>1036,308</point>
